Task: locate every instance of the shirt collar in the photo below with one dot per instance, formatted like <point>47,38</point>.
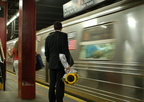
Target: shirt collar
<point>57,30</point>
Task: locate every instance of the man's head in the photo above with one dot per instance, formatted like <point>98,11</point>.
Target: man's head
<point>57,25</point>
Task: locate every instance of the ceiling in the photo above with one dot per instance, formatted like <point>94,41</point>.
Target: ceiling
<point>47,12</point>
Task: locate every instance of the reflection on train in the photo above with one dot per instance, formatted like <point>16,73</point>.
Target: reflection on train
<point>108,49</point>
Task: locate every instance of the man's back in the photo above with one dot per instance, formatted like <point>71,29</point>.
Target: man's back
<point>56,43</point>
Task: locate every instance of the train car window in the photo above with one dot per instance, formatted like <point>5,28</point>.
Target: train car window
<point>97,33</point>
<point>97,43</point>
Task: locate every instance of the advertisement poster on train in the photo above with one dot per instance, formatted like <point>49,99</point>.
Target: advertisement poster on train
<point>1,11</point>
<point>72,44</point>
<point>72,41</point>
<point>75,6</point>
<point>97,42</point>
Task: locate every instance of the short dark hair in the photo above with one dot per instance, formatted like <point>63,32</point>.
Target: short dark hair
<point>57,25</point>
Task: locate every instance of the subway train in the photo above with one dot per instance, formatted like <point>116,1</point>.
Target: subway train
<point>107,46</point>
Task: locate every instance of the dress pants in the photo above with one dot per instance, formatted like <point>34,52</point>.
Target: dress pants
<point>56,90</point>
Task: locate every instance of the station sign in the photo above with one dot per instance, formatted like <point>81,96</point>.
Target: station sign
<point>1,11</point>
<point>75,6</point>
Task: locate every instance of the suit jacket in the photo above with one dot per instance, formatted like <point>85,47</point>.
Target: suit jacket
<point>56,42</point>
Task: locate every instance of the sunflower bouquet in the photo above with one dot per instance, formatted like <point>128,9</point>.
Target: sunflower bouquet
<point>71,77</point>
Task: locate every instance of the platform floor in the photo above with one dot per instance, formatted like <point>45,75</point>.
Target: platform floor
<point>11,92</point>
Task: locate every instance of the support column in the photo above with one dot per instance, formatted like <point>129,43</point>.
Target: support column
<point>27,38</point>
<point>3,27</point>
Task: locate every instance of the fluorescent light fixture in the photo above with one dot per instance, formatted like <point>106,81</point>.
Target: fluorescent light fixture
<point>13,18</point>
<point>20,3</point>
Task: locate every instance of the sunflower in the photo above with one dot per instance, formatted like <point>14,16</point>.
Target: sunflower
<point>70,78</point>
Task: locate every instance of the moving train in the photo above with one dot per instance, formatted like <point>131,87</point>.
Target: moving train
<point>107,45</point>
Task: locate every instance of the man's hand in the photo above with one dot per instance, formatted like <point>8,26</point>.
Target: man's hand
<point>67,69</point>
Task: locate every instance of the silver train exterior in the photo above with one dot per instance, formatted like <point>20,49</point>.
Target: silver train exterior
<point>107,45</point>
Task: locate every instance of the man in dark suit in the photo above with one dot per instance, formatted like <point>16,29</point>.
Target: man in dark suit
<point>56,43</point>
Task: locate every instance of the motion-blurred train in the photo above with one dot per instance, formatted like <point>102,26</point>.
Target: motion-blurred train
<point>107,45</point>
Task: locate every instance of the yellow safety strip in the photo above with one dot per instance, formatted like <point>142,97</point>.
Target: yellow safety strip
<point>67,95</point>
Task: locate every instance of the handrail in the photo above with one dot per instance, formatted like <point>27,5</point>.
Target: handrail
<point>2,52</point>
<point>108,63</point>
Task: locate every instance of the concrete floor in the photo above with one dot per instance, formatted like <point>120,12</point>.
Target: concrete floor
<point>11,92</point>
